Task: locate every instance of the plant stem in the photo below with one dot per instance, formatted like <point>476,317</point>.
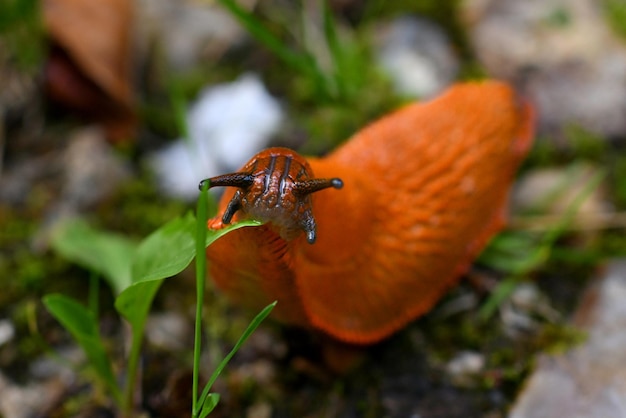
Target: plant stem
<point>131,371</point>
<point>94,291</point>
<point>200,280</point>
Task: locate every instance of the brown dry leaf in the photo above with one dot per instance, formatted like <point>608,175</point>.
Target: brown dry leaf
<point>90,60</point>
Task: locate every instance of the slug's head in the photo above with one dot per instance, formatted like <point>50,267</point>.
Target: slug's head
<point>275,186</point>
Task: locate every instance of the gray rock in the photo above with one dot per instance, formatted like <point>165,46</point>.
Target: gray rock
<point>91,171</point>
<point>417,55</point>
<point>169,330</point>
<point>7,331</point>
<point>32,400</point>
<point>562,53</point>
<point>589,380</point>
<point>187,31</point>
<point>465,368</point>
<point>227,125</point>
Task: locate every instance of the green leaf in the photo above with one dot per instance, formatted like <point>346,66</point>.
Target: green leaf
<point>170,249</point>
<point>512,252</point>
<point>209,404</point>
<point>103,252</point>
<point>249,330</point>
<point>164,253</point>
<point>81,323</point>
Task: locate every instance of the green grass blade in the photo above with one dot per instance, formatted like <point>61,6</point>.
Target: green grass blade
<point>592,184</point>
<point>165,252</point>
<point>302,62</point>
<point>337,52</point>
<point>537,255</point>
<point>170,249</point>
<point>83,326</point>
<point>264,36</point>
<point>179,106</point>
<point>249,330</point>
<point>502,291</point>
<point>201,232</point>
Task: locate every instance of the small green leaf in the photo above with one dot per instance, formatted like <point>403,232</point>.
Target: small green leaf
<point>170,249</point>
<point>249,330</point>
<point>165,252</point>
<point>81,323</point>
<point>209,405</point>
<point>501,293</point>
<point>102,252</point>
<point>512,252</point>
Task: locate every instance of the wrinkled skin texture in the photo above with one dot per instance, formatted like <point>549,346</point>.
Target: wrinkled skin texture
<point>425,188</point>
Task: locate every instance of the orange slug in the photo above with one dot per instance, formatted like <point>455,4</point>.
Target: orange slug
<point>422,191</point>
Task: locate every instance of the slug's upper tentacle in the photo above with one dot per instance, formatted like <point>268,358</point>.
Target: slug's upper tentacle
<point>232,179</point>
<point>275,186</point>
<point>306,187</point>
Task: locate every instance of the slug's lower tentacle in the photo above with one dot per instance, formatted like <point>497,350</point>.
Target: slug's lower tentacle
<point>275,187</point>
<point>233,206</point>
<point>310,228</point>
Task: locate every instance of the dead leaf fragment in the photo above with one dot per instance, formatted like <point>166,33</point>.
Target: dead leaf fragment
<point>90,60</point>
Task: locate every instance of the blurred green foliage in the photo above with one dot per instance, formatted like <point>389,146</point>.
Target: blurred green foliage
<point>615,11</point>
<point>21,32</point>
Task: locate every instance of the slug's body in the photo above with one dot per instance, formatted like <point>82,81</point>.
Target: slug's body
<point>424,190</point>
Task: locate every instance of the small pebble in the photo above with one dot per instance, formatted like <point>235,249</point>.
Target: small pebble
<point>417,55</point>
<point>561,53</point>
<point>589,380</point>
<point>259,410</point>
<point>227,125</point>
<point>465,367</point>
<point>168,330</point>
<point>7,331</point>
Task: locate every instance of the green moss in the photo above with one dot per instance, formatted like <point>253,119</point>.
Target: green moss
<point>615,12</point>
<point>21,32</point>
<point>24,271</point>
<point>577,143</point>
<point>557,339</point>
<point>617,179</point>
<point>612,244</point>
<point>585,144</point>
<point>138,208</point>
<point>560,17</point>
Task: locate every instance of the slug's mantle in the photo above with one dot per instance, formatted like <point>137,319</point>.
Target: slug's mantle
<point>425,188</point>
